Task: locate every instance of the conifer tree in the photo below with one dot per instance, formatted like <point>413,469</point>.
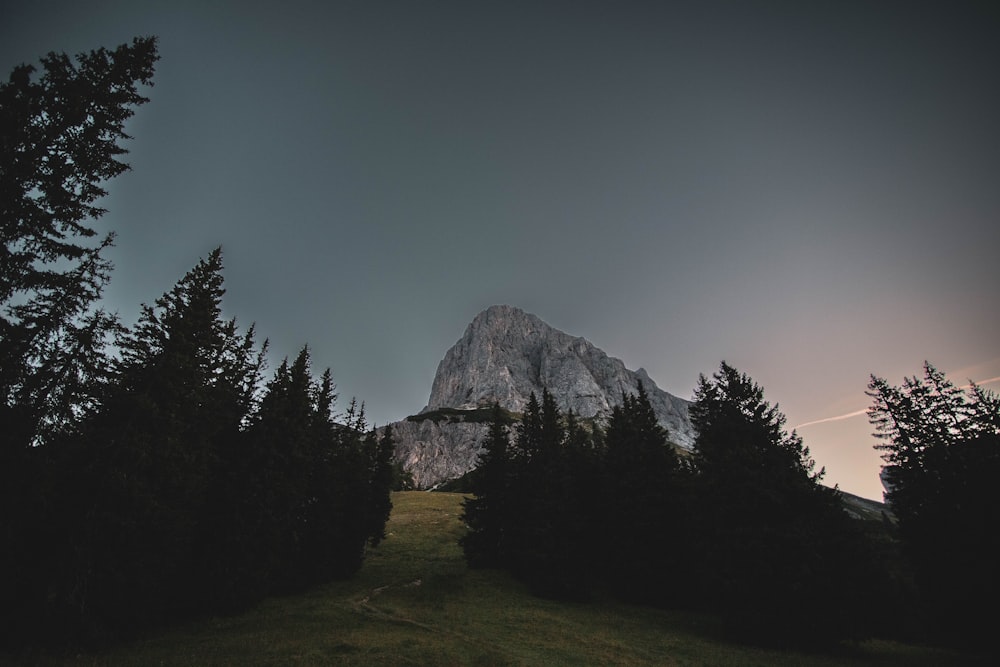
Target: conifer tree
<point>522,518</point>
<point>643,541</point>
<point>941,446</point>
<point>322,496</point>
<point>148,457</point>
<point>381,450</point>
<point>318,490</point>
<point>279,439</point>
<point>357,504</point>
<point>543,528</point>
<point>61,135</point>
<point>528,433</point>
<point>777,552</point>
<point>486,512</point>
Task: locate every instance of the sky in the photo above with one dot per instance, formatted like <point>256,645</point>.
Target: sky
<point>807,190</point>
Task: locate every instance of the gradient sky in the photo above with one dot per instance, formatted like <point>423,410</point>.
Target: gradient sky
<point>808,190</point>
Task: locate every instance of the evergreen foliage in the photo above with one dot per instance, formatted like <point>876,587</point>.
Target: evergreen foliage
<point>743,528</point>
<point>381,450</point>
<point>150,452</point>
<point>61,135</point>
<point>643,504</point>
<point>542,538</point>
<point>775,550</point>
<point>164,481</point>
<point>191,489</point>
<point>941,446</point>
<point>485,513</point>
<point>525,514</point>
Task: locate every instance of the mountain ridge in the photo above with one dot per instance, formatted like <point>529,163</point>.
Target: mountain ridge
<point>505,355</point>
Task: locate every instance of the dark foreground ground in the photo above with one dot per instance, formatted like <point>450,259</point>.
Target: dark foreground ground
<point>416,603</point>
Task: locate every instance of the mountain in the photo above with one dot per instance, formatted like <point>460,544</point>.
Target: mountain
<point>504,356</point>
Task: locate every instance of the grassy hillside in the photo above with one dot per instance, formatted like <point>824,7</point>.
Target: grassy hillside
<point>416,603</point>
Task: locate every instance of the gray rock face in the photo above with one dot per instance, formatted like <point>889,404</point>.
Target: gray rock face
<point>437,452</point>
<point>504,356</point>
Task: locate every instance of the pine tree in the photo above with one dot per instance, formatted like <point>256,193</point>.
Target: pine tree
<point>521,520</point>
<point>321,496</point>
<point>381,450</point>
<point>528,433</point>
<point>777,552</point>
<point>355,465</point>
<point>145,467</point>
<point>543,527</point>
<point>61,139</point>
<point>641,518</point>
<point>941,446</point>
<point>486,512</point>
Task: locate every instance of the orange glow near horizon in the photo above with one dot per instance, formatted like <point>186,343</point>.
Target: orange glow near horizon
<point>858,413</point>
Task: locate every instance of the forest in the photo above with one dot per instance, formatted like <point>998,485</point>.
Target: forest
<point>742,526</point>
<point>148,472</point>
<point>155,472</point>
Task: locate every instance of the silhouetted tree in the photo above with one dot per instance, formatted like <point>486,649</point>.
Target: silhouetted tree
<point>380,450</point>
<point>486,512</point>
<point>139,488</point>
<point>941,446</point>
<point>146,461</point>
<point>641,515</point>
<point>308,493</point>
<point>60,140</point>
<point>360,501</point>
<point>187,491</point>
<point>543,532</point>
<point>61,136</point>
<point>278,441</point>
<point>775,549</point>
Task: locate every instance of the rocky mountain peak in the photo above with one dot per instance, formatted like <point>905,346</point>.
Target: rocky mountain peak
<point>506,354</point>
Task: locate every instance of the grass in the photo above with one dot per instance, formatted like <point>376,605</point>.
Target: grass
<point>416,603</point>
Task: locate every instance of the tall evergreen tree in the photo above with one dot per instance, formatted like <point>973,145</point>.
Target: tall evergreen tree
<point>528,432</point>
<point>486,512</point>
<point>61,136</point>
<point>542,532</point>
<point>147,459</point>
<point>641,518</point>
<point>381,450</point>
<point>313,492</point>
<point>941,446</point>
<point>323,497</point>
<point>279,443</point>
<point>362,484</point>
<point>779,554</point>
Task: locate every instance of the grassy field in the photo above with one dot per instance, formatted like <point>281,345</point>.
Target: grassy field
<point>416,603</point>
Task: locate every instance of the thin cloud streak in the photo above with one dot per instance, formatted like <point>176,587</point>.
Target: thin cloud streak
<point>982,382</point>
<point>838,418</point>
<point>858,413</point>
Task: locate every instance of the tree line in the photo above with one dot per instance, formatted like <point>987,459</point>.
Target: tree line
<point>741,526</point>
<point>152,472</point>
